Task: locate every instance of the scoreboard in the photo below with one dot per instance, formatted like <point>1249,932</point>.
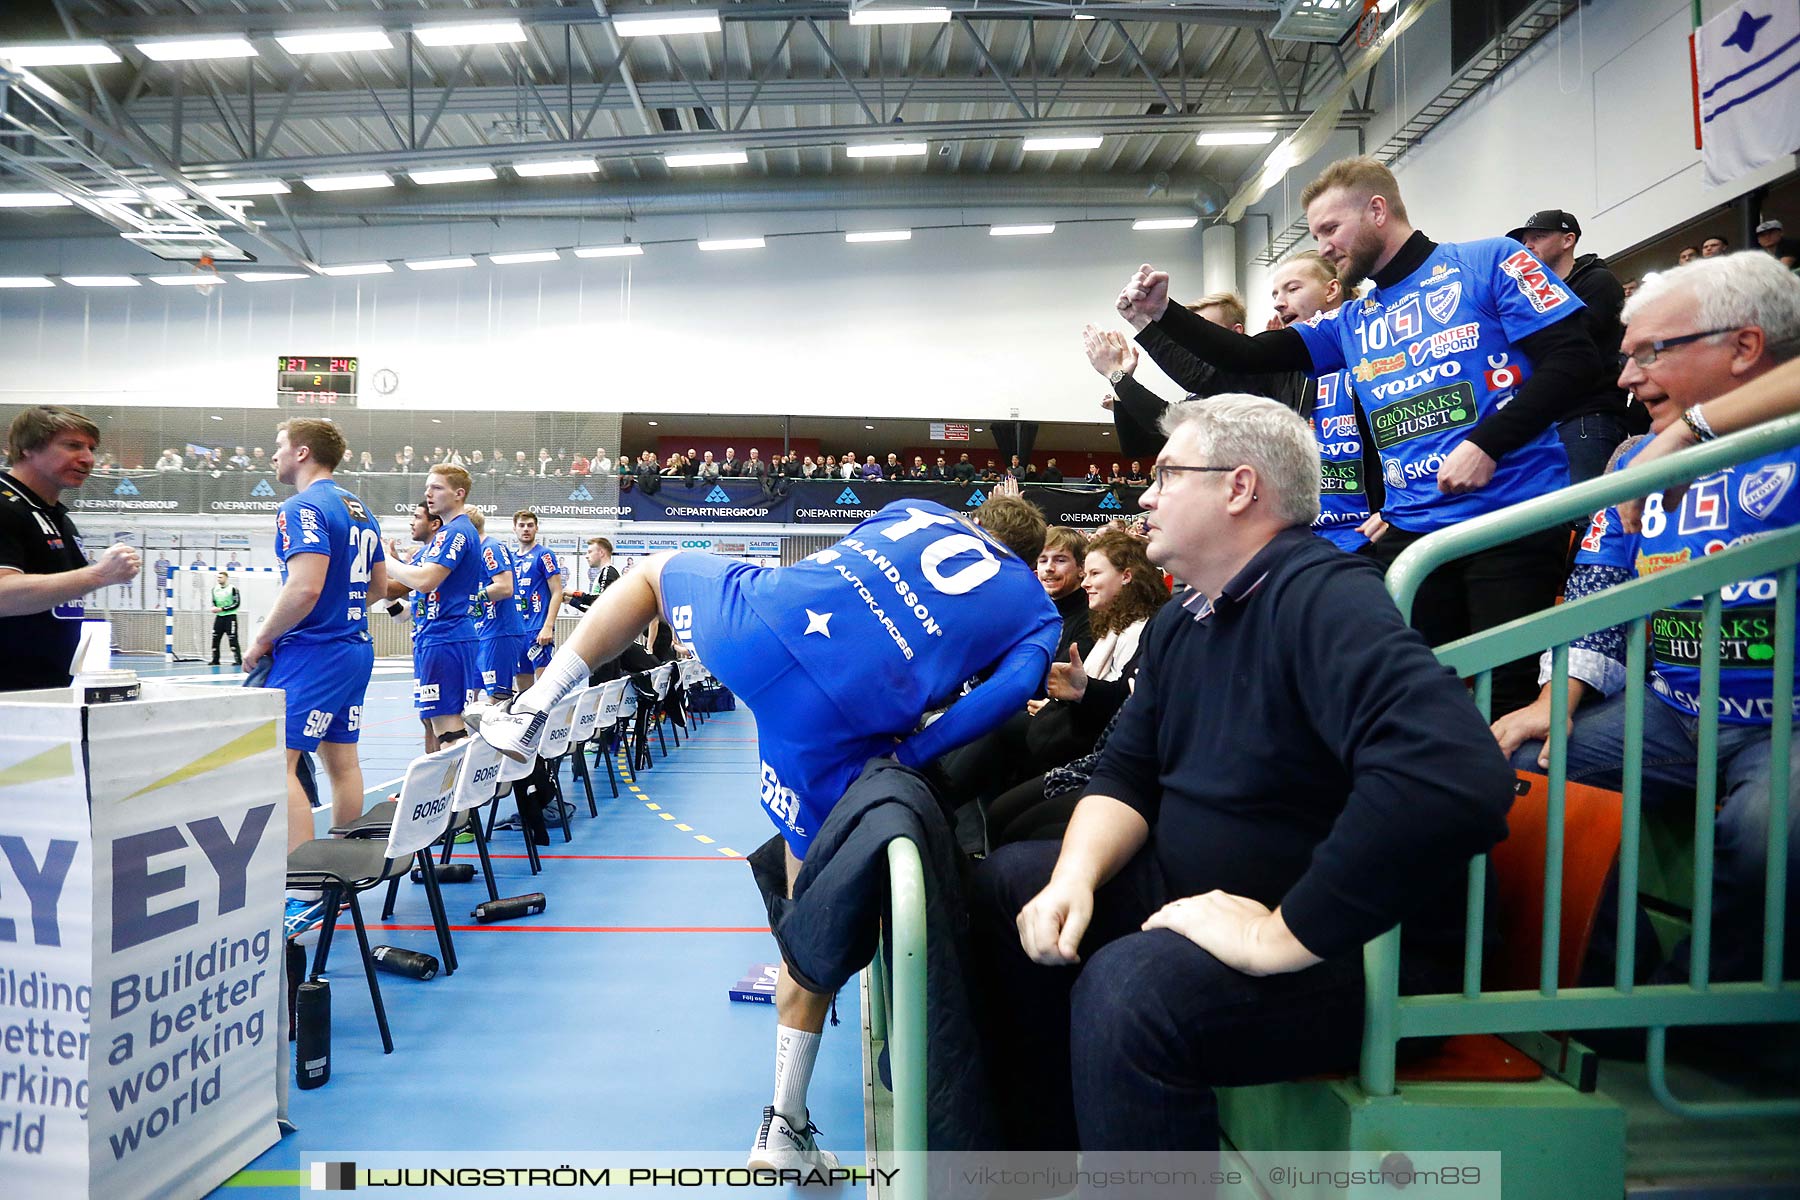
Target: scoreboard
<point>303,381</point>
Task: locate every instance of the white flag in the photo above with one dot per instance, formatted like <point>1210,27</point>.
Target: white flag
<point>1748,59</point>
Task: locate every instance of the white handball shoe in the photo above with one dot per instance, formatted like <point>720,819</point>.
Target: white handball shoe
<point>781,1147</point>
<point>514,734</point>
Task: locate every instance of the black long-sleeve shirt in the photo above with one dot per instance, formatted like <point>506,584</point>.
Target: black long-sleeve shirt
<point>1138,413</point>
<point>1564,360</point>
<point>1299,744</point>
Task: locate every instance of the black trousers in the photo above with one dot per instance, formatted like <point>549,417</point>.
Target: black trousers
<point>225,624</point>
<point>1486,589</point>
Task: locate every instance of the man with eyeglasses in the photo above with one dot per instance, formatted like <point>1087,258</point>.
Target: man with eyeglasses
<point>1293,774</point>
<point>1464,356</point>
<point>1605,416</point>
<point>1692,334</point>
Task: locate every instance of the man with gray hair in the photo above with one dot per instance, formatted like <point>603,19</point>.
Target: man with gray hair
<point>1692,334</point>
<point>1293,774</point>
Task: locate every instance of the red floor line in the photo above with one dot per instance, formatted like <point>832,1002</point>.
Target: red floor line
<point>505,928</point>
<point>613,857</point>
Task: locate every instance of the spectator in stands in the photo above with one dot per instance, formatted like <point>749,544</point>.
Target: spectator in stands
<point>829,468</point>
<point>454,457</point>
<point>1596,425</point>
<point>1162,942</point>
<point>479,464</point>
<point>1093,475</point>
<point>1714,246</point>
<point>918,470</point>
<point>892,468</point>
<point>1687,255</point>
<point>755,467</point>
<point>520,467</point>
<point>545,464</point>
<point>871,470</point>
<point>1115,476</point>
<point>170,461</point>
<point>731,468</point>
<point>990,473</point>
<point>964,470</point>
<point>1136,478</point>
<point>404,460</point>
<point>648,474</point>
<point>600,464</point>
<point>259,462</point>
<point>365,463</point>
<point>709,470</point>
<point>1059,569</point>
<point>240,460</point>
<point>1015,469</point>
<point>1630,288</point>
<point>1785,249</point>
<point>674,466</point>
<point>1051,474</point>
<point>1692,334</point>
<point>940,472</point>
<point>579,464</point>
<point>401,466</point>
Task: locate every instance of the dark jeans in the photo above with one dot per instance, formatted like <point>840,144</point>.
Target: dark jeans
<point>1023,814</point>
<point>1150,1022</point>
<point>226,625</point>
<point>1590,441</point>
<point>1486,589</point>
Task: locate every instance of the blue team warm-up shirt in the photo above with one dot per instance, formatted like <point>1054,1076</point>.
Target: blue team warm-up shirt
<point>326,519</point>
<point>532,570</point>
<point>1719,510</point>
<point>497,618</point>
<point>1432,356</point>
<point>450,609</point>
<point>1343,492</point>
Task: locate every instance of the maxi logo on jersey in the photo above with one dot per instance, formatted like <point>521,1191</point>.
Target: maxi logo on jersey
<point>1421,416</point>
<point>1535,281</point>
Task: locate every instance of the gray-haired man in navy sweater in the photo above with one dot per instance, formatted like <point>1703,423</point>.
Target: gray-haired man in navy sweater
<point>1294,774</point>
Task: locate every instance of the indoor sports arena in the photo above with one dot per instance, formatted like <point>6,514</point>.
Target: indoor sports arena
<point>903,599</point>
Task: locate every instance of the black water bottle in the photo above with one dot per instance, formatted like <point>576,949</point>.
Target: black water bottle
<point>454,873</point>
<point>410,963</point>
<point>508,907</point>
<point>312,1051</point>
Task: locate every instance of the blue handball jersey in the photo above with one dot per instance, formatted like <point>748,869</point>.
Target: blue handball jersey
<point>1434,355</point>
<point>326,519</point>
<point>532,570</point>
<point>497,618</point>
<point>418,608</point>
<point>1724,509</point>
<point>1343,492</point>
<point>450,608</point>
<point>895,618</point>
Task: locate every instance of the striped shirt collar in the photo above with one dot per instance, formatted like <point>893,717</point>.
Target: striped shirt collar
<point>1247,581</point>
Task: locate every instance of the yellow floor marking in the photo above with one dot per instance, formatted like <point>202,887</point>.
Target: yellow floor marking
<point>666,816</point>
<point>684,828</point>
<point>727,850</point>
<point>652,807</point>
<point>701,837</point>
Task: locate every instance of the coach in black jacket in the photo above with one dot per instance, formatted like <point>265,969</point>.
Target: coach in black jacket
<point>1293,774</point>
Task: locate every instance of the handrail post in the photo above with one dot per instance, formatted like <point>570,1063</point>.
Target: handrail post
<point>906,1016</point>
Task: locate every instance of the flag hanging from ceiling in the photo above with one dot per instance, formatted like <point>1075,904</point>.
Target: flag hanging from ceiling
<point>1748,61</point>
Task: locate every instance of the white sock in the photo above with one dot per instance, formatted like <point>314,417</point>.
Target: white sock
<point>795,1051</point>
<point>559,679</point>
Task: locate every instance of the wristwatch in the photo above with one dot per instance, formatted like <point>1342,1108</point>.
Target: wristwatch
<point>1113,377</point>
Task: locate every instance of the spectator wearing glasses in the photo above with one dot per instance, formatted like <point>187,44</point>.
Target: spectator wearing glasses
<point>1606,416</point>
<point>1201,922</point>
<point>1692,334</point>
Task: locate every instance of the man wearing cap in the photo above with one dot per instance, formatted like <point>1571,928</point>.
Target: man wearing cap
<point>1786,249</point>
<point>1606,415</point>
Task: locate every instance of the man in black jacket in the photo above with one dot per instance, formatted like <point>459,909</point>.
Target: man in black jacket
<point>1606,416</point>
<point>1293,775</point>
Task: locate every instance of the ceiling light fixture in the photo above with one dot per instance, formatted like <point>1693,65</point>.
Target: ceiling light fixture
<point>1236,137</point>
<point>269,276</point>
<point>1019,230</point>
<point>880,235</point>
<point>100,281</point>
<point>628,250</point>
<point>523,256</point>
<point>438,264</point>
<point>469,33</point>
<point>335,41</point>
<point>749,243</point>
<point>191,49</point>
<point>556,166</point>
<point>654,24</point>
<point>473,174</point>
<point>348,183</point>
<point>710,158</point>
<point>34,200</point>
<point>886,150</point>
<point>60,54</point>
<point>24,281</point>
<point>226,189</point>
<point>197,279</point>
<point>368,268</point>
<point>1071,142</point>
<point>1166,223</point>
<point>899,16</point>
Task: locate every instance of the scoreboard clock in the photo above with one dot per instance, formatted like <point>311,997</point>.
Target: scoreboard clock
<point>304,381</point>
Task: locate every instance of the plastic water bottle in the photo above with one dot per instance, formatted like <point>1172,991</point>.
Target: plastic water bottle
<point>312,1050</point>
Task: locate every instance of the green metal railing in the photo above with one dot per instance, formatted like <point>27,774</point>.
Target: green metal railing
<point>897,1010</point>
<point>1390,1016</point>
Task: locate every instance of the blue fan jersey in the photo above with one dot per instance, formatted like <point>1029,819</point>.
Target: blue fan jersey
<point>895,618</point>
<point>326,519</point>
<point>532,570</point>
<point>1731,506</point>
<point>497,618</point>
<point>1435,354</point>
<point>450,608</point>
<point>1343,492</point>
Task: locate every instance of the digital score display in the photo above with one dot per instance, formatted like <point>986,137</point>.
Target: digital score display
<point>304,381</point>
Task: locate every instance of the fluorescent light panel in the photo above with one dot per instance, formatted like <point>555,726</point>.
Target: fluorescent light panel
<point>556,166</point>
<point>34,200</point>
<point>1166,223</point>
<point>368,268</point>
<point>341,41</point>
<point>1072,142</point>
<point>170,235</point>
<point>100,281</point>
<point>628,250</point>
<point>188,49</point>
<point>1019,230</point>
<point>60,54</point>
<point>900,16</point>
<point>1236,137</point>
<point>24,281</point>
<point>749,243</point>
<point>886,150</point>
<point>523,256</point>
<point>348,183</point>
<point>160,191</point>
<point>194,280</point>
<point>451,175</point>
<point>712,158</point>
<point>438,264</point>
<point>880,235</point>
<point>268,276</point>
<point>657,25</point>
<point>470,33</point>
<point>225,189</point>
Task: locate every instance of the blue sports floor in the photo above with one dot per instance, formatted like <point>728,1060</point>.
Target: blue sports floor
<point>601,1025</point>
